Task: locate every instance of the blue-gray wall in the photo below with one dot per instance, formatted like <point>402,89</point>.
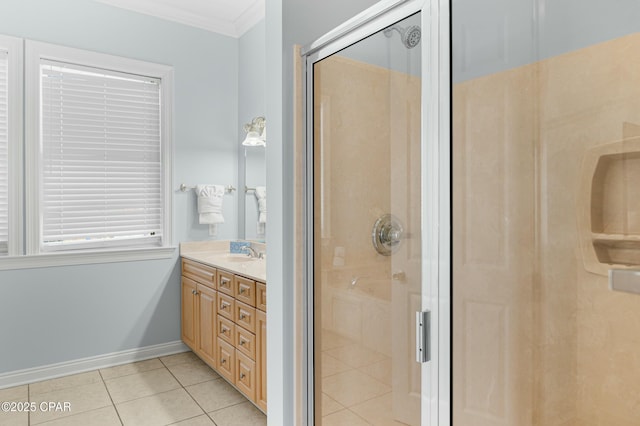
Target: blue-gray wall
<point>288,22</point>
<point>251,103</point>
<point>59,314</point>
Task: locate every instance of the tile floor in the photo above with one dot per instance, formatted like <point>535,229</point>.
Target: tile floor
<point>356,384</point>
<point>174,390</point>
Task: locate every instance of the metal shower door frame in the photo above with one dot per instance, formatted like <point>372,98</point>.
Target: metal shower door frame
<point>435,181</point>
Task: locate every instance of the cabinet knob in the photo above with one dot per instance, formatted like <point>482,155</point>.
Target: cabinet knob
<point>242,375</point>
<point>223,361</point>
<point>193,292</point>
<point>242,316</point>
<point>242,342</point>
<point>242,290</point>
<point>225,331</point>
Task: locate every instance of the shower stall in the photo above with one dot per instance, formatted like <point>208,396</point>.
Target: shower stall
<point>372,207</point>
<point>546,203</point>
<point>542,304</point>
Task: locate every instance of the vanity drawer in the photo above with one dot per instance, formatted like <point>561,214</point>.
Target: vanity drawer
<point>261,296</point>
<point>226,306</point>
<point>226,365</point>
<point>226,330</point>
<point>225,282</point>
<point>246,342</point>
<point>245,290</point>
<point>245,316</point>
<point>245,379</point>
<point>200,273</point>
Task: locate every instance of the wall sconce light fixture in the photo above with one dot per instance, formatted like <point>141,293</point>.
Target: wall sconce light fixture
<point>256,132</point>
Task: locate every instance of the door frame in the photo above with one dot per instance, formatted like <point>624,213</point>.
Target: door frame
<point>436,193</point>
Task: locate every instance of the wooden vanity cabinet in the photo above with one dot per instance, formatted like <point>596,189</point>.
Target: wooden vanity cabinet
<point>224,323</point>
<point>199,310</point>
<point>261,360</point>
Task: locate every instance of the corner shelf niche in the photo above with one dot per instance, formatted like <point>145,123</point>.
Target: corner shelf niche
<point>609,206</point>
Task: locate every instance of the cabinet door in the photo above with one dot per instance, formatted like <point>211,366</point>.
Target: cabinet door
<point>261,296</point>
<point>245,290</point>
<point>225,282</point>
<point>245,342</point>
<point>226,306</point>
<point>245,378</point>
<point>206,344</point>
<point>226,330</point>
<point>226,360</point>
<point>261,360</point>
<point>189,324</point>
<point>245,316</point>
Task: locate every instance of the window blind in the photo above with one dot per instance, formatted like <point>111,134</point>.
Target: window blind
<point>4,152</point>
<point>101,178</point>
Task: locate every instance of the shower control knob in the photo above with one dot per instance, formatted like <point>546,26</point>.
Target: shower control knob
<point>386,234</point>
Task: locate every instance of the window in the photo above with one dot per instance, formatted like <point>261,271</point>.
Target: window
<point>4,152</point>
<point>98,151</point>
<point>10,144</point>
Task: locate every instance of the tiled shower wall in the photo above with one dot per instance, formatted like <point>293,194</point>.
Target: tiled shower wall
<point>538,339</point>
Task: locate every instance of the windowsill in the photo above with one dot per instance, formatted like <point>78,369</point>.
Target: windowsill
<point>86,257</point>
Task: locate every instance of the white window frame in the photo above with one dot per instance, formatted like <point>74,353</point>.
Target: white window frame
<point>34,53</point>
<point>15,123</point>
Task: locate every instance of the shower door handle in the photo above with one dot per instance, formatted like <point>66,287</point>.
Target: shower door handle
<point>423,336</point>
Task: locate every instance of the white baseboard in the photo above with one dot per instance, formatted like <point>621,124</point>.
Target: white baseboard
<point>37,374</point>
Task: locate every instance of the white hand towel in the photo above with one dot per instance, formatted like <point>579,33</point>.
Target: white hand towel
<point>261,195</point>
<point>210,203</point>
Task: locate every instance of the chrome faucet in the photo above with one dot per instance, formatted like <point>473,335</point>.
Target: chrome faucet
<point>252,253</point>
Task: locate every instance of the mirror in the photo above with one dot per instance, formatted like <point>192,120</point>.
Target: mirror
<point>255,179</point>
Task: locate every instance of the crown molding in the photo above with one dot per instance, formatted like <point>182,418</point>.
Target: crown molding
<point>232,28</point>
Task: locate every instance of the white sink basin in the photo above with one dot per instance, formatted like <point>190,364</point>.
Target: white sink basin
<point>238,257</point>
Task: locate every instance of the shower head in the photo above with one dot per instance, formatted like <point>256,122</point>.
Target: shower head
<point>410,36</point>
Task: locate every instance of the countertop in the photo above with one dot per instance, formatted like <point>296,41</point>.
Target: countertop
<point>216,254</point>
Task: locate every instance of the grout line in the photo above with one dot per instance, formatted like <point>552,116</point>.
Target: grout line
<point>214,422</point>
<point>110,398</point>
<point>130,374</point>
<point>359,416</point>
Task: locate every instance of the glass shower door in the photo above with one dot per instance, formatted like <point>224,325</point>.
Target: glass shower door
<point>367,233</point>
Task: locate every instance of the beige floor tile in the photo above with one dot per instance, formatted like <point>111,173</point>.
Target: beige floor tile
<point>377,411</point>
<point>160,409</point>
<point>193,372</point>
<point>353,387</point>
<point>380,371</point>
<point>244,414</point>
<point>16,393</point>
<point>331,340</point>
<point>203,420</point>
<point>66,382</point>
<point>215,395</point>
<point>14,419</point>
<point>330,405</point>
<point>81,399</point>
<point>331,366</point>
<point>139,385</point>
<point>343,418</point>
<point>355,355</point>
<point>178,358</point>
<point>132,368</point>
<point>106,416</point>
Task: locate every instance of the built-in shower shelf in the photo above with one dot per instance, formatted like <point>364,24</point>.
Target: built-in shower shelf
<point>609,204</point>
<point>615,238</point>
<point>617,249</point>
